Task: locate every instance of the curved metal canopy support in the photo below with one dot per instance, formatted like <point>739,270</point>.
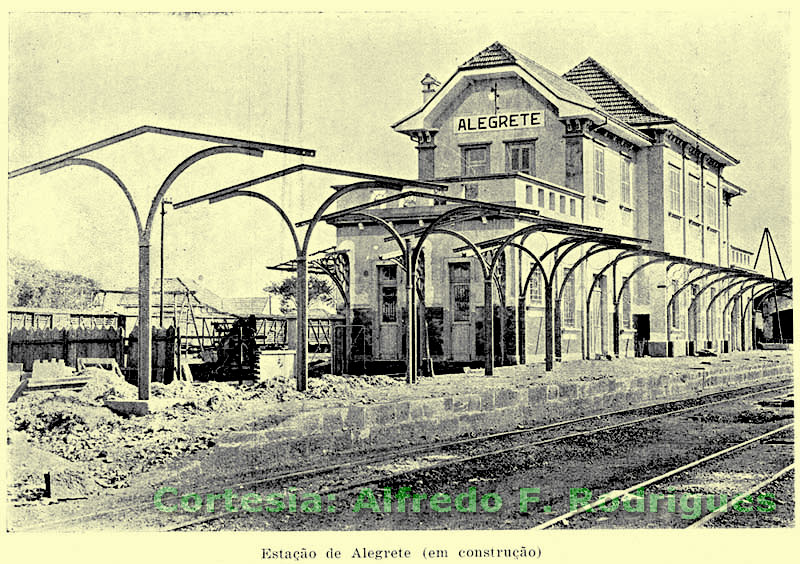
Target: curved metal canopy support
<point>585,342</point>
<point>223,145</point>
<point>756,295</point>
<point>726,275</point>
<point>435,224</point>
<point>599,244</point>
<point>715,297</point>
<point>396,237</point>
<point>181,168</point>
<point>111,174</point>
<point>270,202</point>
<point>711,284</point>
<point>301,364</point>
<point>488,279</point>
<point>405,249</point>
<point>522,298</point>
<point>711,272</point>
<point>596,249</point>
<point>733,300</point>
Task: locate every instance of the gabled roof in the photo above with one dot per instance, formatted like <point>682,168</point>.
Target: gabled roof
<point>613,94</point>
<point>173,286</point>
<point>246,306</point>
<point>571,100</point>
<point>561,87</point>
<point>557,90</point>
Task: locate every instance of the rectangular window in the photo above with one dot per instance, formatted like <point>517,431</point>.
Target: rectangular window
<point>675,191</point>
<point>475,160</point>
<point>562,204</point>
<point>693,196</point>
<point>698,319</point>
<point>642,289</point>
<point>387,274</point>
<point>599,210</point>
<point>519,158</point>
<point>572,207</point>
<point>710,205</point>
<point>625,181</point>
<point>387,282</point>
<point>535,292</point>
<point>676,306</point>
<point>552,205</point>
<point>568,301</point>
<point>471,191</point>
<point>528,194</point>
<point>712,322</point>
<point>599,171</point>
<point>541,198</point>
<point>626,304</point>
<point>459,291</point>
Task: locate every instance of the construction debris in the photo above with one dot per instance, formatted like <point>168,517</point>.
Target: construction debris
<point>110,450</point>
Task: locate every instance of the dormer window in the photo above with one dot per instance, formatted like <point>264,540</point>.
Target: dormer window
<point>475,160</point>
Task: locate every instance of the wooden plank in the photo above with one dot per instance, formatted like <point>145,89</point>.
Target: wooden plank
<point>23,384</point>
<point>104,363</point>
<point>186,372</point>
<point>55,383</point>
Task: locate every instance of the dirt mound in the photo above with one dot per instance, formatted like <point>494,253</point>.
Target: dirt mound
<point>330,386</point>
<point>105,384</point>
<point>112,449</point>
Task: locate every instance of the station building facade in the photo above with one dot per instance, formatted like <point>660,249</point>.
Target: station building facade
<point>583,148</point>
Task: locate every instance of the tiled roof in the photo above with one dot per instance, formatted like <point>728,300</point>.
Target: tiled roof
<point>498,54</point>
<point>172,286</point>
<point>241,306</point>
<point>614,95</point>
<point>494,55</point>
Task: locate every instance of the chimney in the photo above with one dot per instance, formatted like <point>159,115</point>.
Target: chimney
<point>429,86</point>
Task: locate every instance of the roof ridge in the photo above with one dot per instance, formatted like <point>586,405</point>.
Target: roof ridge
<point>631,93</point>
<point>506,56</point>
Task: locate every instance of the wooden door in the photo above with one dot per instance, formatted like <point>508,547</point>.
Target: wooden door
<point>461,326</point>
<point>388,314</point>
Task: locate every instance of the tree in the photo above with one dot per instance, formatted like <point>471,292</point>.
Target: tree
<point>320,291</point>
<point>31,284</point>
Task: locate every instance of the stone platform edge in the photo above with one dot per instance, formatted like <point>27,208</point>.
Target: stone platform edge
<point>362,428</point>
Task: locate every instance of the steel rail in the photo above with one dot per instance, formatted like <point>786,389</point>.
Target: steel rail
<point>720,510</point>
<point>493,453</point>
<point>616,494</point>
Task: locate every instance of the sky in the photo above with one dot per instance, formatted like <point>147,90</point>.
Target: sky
<point>334,82</point>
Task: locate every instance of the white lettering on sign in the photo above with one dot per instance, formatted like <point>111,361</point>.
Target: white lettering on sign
<point>517,120</point>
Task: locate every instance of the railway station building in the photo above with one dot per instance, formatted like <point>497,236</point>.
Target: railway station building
<point>582,149</point>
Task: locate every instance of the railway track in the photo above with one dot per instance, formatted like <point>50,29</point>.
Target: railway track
<point>372,477</point>
<point>608,503</point>
<point>373,469</point>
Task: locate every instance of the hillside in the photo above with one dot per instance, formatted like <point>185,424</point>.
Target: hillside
<point>32,284</point>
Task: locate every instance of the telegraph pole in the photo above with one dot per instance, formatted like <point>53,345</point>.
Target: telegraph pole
<point>161,281</point>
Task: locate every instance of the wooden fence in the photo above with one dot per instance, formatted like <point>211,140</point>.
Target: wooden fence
<point>31,343</point>
<point>162,355</point>
<point>45,318</point>
<point>27,345</point>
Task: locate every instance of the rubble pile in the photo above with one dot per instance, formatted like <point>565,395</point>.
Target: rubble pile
<point>110,448</point>
<point>105,384</point>
<point>346,387</point>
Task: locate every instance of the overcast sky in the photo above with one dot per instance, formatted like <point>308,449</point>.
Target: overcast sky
<point>335,83</point>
